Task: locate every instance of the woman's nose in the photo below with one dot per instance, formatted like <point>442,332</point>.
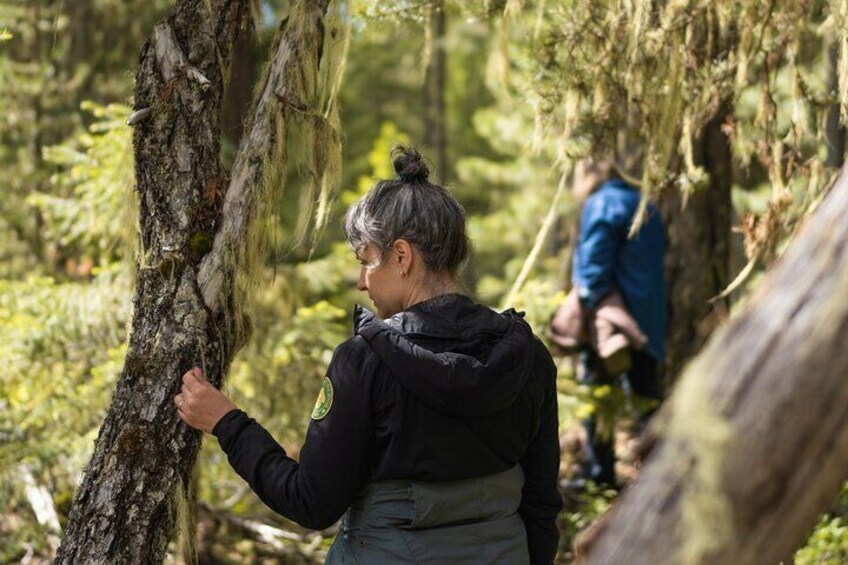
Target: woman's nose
<point>362,284</point>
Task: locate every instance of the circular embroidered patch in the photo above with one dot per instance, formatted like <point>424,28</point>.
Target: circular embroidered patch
<point>325,400</point>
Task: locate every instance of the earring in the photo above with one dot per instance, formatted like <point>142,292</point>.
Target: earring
<point>403,274</point>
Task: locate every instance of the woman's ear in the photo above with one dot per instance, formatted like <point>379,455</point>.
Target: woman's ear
<point>404,255</point>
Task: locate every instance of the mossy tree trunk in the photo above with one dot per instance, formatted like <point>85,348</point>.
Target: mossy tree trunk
<point>698,254</point>
<point>194,241</point>
<point>124,510</point>
<point>699,223</point>
<point>753,444</point>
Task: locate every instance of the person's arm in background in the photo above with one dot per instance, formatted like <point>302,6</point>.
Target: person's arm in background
<point>601,238</point>
<point>335,458</point>
<point>540,499</point>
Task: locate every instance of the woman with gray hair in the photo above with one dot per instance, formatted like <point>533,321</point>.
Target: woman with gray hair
<point>434,436</point>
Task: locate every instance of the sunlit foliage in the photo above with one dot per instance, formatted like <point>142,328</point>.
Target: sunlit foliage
<point>640,80</point>
<point>532,85</point>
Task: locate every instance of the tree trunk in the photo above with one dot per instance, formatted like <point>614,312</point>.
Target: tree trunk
<point>434,92</point>
<point>125,509</point>
<point>753,445</point>
<point>195,243</point>
<point>238,94</point>
<point>698,250</point>
<point>834,130</point>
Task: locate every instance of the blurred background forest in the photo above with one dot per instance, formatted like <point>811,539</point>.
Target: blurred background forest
<point>729,108</point>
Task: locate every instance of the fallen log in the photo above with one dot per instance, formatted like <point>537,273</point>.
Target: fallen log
<point>753,444</point>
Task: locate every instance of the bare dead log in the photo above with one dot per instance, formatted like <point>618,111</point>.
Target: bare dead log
<point>217,526</point>
<point>753,444</point>
<point>41,502</point>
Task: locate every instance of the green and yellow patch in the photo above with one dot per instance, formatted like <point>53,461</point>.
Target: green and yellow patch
<point>325,400</point>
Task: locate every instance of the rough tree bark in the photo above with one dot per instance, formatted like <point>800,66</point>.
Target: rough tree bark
<point>698,254</point>
<point>194,244</point>
<point>753,444</point>
<point>124,510</point>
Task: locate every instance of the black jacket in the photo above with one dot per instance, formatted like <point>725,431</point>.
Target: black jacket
<point>447,389</point>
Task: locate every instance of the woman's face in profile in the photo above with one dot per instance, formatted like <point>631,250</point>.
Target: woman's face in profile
<point>384,284</point>
<point>586,179</point>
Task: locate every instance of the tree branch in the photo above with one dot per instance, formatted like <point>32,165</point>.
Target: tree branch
<point>288,111</point>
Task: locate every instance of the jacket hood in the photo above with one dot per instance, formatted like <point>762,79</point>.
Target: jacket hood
<point>456,357</point>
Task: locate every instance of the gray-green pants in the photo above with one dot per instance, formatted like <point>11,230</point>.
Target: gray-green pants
<point>469,521</point>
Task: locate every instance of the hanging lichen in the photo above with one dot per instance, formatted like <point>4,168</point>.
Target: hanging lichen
<point>648,76</point>
<point>294,127</point>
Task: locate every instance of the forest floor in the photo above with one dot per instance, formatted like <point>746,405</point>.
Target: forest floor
<point>583,504</point>
<point>224,538</point>
<point>228,538</point>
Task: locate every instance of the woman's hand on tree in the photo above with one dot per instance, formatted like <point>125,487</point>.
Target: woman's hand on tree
<point>199,404</point>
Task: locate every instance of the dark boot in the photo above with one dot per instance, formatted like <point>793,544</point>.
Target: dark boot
<point>600,456</point>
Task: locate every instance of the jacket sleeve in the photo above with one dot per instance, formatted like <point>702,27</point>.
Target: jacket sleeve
<point>540,500</point>
<point>602,235</point>
<point>335,459</point>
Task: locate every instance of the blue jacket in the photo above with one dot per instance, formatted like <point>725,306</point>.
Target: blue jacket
<point>606,258</point>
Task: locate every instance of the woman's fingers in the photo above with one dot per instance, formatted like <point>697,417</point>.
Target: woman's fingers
<point>192,385</point>
<point>190,382</point>
<point>199,404</point>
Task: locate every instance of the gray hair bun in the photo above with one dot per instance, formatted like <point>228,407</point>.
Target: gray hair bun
<point>409,164</point>
<point>410,207</point>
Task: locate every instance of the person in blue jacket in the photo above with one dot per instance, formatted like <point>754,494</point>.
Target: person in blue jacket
<point>435,435</point>
<point>607,258</point>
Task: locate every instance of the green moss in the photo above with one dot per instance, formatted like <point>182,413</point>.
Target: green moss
<point>702,431</point>
<point>199,244</point>
<point>185,508</point>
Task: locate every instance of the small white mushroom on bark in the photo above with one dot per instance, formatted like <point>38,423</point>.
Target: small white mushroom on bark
<point>138,116</point>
